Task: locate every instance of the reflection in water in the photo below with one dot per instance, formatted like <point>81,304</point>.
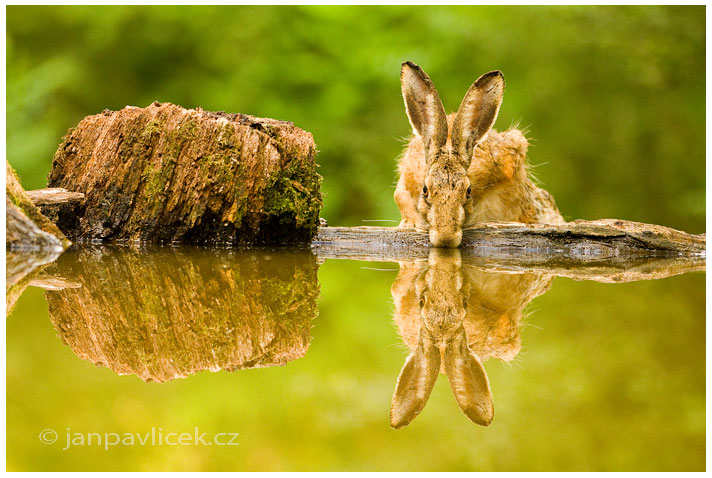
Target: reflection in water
<point>164,313</point>
<point>21,268</point>
<point>611,379</point>
<point>169,313</point>
<point>453,317</point>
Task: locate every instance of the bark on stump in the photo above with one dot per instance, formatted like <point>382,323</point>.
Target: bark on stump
<point>167,174</point>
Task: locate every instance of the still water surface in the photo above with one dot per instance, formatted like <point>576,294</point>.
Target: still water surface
<point>316,362</point>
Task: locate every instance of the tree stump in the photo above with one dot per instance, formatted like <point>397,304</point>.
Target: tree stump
<point>167,174</point>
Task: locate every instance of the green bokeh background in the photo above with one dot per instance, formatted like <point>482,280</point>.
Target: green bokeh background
<point>613,98</point>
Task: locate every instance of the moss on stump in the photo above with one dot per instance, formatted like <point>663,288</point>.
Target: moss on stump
<point>167,174</point>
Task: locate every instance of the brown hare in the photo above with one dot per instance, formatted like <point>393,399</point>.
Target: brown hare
<point>453,317</point>
<point>457,171</point>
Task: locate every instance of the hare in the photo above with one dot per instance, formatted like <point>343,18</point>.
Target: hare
<point>457,171</point>
<point>454,316</point>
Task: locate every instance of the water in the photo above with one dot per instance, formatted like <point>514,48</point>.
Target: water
<point>296,357</point>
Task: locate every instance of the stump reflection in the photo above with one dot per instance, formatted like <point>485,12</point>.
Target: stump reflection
<point>168,313</point>
<point>453,316</point>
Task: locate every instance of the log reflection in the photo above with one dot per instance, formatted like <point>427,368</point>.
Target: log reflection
<point>454,316</point>
<point>170,313</point>
<point>21,268</point>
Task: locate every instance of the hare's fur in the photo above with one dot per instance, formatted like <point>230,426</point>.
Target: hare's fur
<point>498,174</point>
<point>450,154</point>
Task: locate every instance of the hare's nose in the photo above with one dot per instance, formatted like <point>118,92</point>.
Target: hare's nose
<point>438,239</point>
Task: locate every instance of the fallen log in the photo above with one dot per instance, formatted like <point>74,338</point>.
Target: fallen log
<point>27,229</point>
<point>31,240</point>
<point>607,250</point>
<point>578,240</point>
<point>168,174</point>
<point>23,234</point>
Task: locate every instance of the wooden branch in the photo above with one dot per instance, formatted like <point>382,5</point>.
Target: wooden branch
<point>43,197</point>
<point>46,282</point>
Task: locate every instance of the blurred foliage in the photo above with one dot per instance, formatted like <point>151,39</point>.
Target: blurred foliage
<point>612,97</point>
<point>610,377</point>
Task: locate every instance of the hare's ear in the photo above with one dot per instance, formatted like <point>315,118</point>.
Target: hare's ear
<point>477,113</point>
<point>415,382</point>
<point>423,105</point>
<point>468,380</point>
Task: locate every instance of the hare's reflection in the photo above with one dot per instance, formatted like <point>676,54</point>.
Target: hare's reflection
<point>453,317</point>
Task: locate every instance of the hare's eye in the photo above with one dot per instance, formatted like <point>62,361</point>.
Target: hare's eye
<point>469,191</point>
<point>464,303</point>
<point>425,191</point>
<point>421,303</point>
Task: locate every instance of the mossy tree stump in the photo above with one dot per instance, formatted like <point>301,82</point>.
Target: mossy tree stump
<point>168,174</point>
